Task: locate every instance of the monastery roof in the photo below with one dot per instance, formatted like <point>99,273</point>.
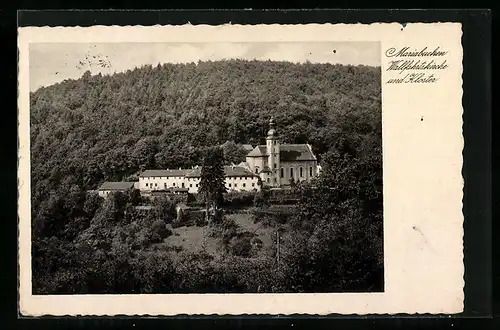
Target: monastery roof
<point>151,173</point>
<point>237,171</point>
<point>194,173</point>
<point>288,152</point>
<point>116,185</point>
<point>174,189</point>
<point>169,190</point>
<point>229,171</point>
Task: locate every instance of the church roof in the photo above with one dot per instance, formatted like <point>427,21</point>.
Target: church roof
<point>288,152</point>
<point>258,151</point>
<point>293,152</point>
<point>152,173</point>
<point>116,186</point>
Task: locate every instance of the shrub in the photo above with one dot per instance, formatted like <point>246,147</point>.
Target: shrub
<point>239,199</point>
<point>258,200</point>
<point>226,230</point>
<point>184,218</point>
<point>190,199</point>
<point>241,247</point>
<point>267,221</point>
<point>256,242</point>
<point>199,219</point>
<point>195,203</point>
<point>176,224</point>
<point>174,248</point>
<point>218,216</point>
<point>228,223</point>
<point>160,231</point>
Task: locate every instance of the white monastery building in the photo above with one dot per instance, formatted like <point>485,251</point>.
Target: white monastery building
<point>238,178</point>
<point>110,187</point>
<point>275,164</point>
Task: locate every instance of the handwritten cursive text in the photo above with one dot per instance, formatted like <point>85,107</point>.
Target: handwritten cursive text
<point>406,52</point>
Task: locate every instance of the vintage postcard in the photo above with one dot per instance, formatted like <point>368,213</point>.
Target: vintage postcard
<point>240,169</point>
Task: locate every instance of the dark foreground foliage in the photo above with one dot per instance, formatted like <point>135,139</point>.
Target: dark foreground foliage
<point>99,128</point>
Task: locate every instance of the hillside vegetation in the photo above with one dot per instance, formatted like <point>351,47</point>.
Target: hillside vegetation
<point>103,128</point>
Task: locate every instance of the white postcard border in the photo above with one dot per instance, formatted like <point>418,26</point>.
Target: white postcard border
<point>422,155</point>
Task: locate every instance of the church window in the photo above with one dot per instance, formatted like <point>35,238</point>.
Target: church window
<point>275,165</point>
<point>244,185</point>
<point>274,142</point>
<point>253,184</point>
<point>301,172</point>
<point>190,185</point>
<point>235,185</point>
<point>183,185</point>
<point>291,173</point>
<point>257,170</point>
<point>173,184</point>
<point>156,184</point>
<point>229,185</point>
<point>282,172</point>
<point>146,184</point>
<point>310,171</point>
<point>196,185</point>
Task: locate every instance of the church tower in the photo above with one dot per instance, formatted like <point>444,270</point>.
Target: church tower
<point>273,153</point>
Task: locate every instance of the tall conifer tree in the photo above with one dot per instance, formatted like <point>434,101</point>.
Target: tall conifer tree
<point>212,182</point>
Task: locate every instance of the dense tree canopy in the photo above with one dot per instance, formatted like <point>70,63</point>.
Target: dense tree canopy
<point>99,128</point>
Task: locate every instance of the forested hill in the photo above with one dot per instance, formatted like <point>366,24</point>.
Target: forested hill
<point>100,128</point>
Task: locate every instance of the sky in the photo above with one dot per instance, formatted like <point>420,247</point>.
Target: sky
<point>51,63</point>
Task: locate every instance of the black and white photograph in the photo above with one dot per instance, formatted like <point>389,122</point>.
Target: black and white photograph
<point>230,169</point>
<point>216,167</point>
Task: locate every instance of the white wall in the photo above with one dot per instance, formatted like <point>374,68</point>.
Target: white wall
<point>193,185</point>
<point>243,183</point>
<point>161,183</point>
<point>103,193</point>
<point>306,171</point>
<point>254,162</point>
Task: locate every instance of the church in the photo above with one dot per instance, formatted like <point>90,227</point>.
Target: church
<point>280,164</point>
<point>276,164</point>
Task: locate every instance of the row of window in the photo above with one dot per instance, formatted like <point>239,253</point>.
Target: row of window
<point>196,179</point>
<point>282,171</point>
<point>191,185</point>
<point>301,172</point>
<point>164,185</point>
<point>236,185</point>
<point>166,177</point>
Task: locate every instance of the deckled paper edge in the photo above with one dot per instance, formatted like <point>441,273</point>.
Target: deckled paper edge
<point>454,309</point>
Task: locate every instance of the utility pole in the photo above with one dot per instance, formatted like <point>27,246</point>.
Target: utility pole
<point>278,246</point>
